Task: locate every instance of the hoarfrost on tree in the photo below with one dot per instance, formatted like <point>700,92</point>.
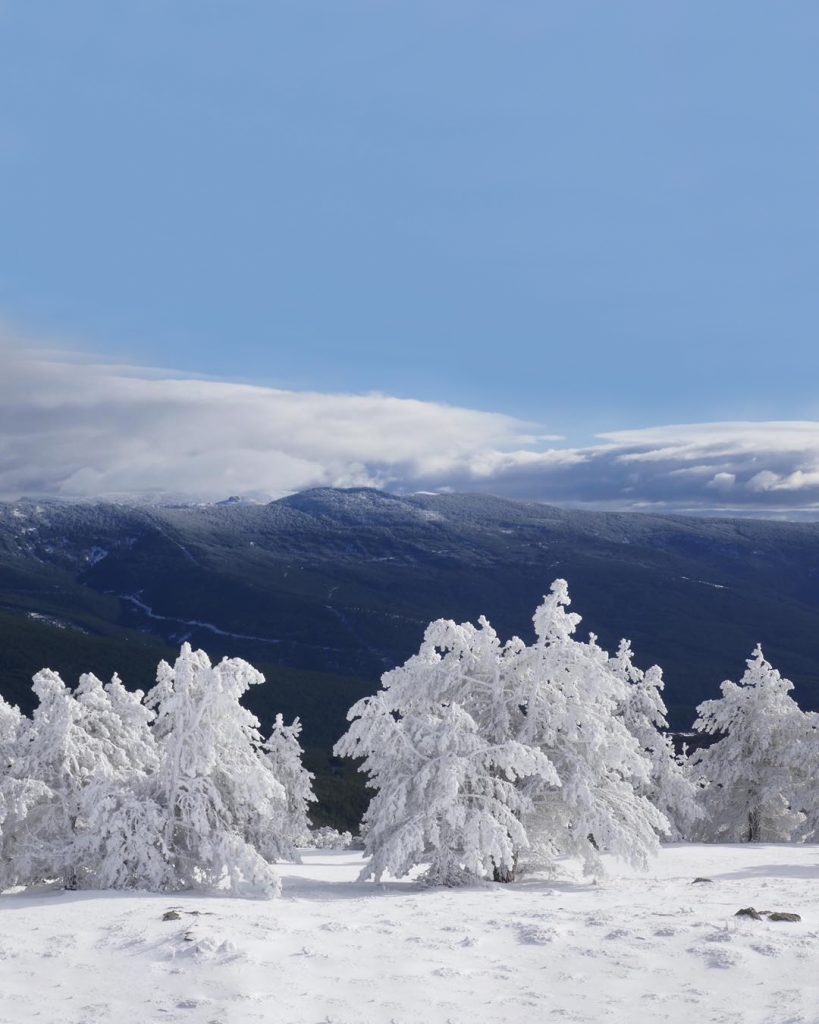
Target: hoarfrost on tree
<point>57,756</point>
<point>447,794</point>
<point>670,787</point>
<point>484,754</point>
<point>569,698</point>
<point>213,782</point>
<point>102,788</point>
<point>284,756</point>
<point>754,775</point>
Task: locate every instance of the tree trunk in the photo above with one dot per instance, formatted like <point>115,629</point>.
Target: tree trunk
<point>503,874</point>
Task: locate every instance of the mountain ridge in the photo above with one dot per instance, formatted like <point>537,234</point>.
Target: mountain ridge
<point>342,582</point>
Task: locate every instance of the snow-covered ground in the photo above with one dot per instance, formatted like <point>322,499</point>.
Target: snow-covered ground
<point>632,947</point>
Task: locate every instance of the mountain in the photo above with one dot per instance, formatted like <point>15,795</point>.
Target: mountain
<point>326,589</point>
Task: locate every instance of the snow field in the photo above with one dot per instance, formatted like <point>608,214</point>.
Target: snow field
<point>332,950</point>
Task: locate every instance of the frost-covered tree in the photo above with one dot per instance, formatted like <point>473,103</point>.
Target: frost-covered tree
<point>17,795</point>
<point>130,732</point>
<point>447,792</point>
<point>11,724</point>
<point>213,783</point>
<point>56,756</point>
<point>525,739</point>
<point>100,790</point>
<point>284,755</point>
<point>74,741</point>
<point>754,773</point>
<point>120,843</point>
<point>670,787</point>
<point>569,699</point>
<point>807,794</point>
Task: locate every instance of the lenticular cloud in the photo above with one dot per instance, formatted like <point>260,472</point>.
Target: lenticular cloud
<point>74,427</point>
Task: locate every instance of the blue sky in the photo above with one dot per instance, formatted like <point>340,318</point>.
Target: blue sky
<point>589,216</point>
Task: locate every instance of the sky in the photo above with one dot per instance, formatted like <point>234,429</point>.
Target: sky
<point>562,251</point>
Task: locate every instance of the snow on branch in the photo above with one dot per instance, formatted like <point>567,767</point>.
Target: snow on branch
<point>103,788</point>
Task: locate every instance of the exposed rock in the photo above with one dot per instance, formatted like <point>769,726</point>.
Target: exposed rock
<point>698,880</point>
<point>771,915</point>
<point>171,915</point>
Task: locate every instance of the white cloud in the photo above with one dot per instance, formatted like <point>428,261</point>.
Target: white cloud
<point>77,428</point>
<point>71,426</point>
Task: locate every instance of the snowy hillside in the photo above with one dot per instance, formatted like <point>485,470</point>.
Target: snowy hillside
<point>657,947</point>
<point>325,590</point>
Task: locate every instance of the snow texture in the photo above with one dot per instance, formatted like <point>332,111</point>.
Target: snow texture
<point>336,951</point>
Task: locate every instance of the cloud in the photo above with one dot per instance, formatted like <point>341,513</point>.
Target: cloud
<point>72,427</point>
<point>745,468</point>
<point>75,427</point>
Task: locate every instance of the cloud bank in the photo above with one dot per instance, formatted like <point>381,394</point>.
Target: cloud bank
<point>74,428</point>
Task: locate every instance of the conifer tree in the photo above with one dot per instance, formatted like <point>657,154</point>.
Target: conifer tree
<point>569,699</point>
<point>446,791</point>
<point>670,787</point>
<point>754,773</point>
<point>482,754</point>
<point>284,756</point>
<point>212,782</point>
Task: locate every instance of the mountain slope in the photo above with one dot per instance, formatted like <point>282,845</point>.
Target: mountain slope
<point>326,589</point>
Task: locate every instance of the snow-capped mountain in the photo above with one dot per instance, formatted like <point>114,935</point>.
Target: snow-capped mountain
<point>326,589</point>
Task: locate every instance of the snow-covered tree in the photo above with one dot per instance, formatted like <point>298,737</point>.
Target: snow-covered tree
<point>17,795</point>
<point>11,723</point>
<point>754,773</point>
<point>446,797</point>
<point>57,758</point>
<point>284,754</point>
<point>807,791</point>
<point>482,753</point>
<point>100,790</point>
<point>213,783</point>
<point>122,842</point>
<point>670,787</point>
<point>130,728</point>
<point>569,699</point>
<point>95,736</point>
